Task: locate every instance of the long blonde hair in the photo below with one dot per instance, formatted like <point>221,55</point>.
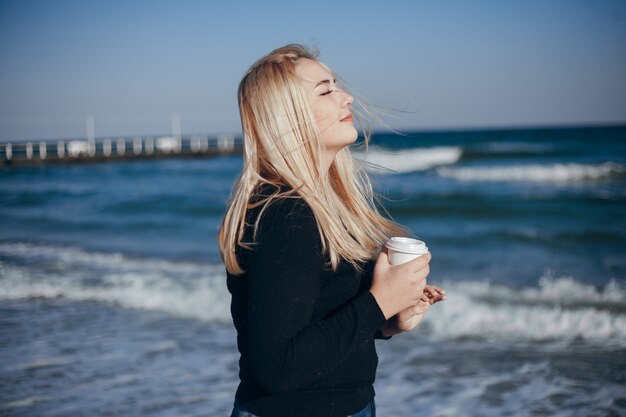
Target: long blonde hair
<point>282,147</point>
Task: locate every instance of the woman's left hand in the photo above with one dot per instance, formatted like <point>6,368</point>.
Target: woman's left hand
<point>433,294</point>
<point>410,318</point>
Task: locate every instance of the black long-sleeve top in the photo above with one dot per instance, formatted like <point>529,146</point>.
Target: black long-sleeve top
<point>305,333</point>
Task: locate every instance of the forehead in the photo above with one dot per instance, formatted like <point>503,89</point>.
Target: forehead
<point>311,72</point>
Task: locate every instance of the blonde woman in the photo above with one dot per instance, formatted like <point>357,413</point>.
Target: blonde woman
<point>301,241</point>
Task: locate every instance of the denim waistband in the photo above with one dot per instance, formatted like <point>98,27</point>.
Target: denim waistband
<point>241,411</point>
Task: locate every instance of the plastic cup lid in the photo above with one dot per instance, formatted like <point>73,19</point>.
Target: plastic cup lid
<point>406,245</point>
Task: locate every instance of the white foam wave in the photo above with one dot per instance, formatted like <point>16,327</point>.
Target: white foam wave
<point>535,172</point>
<point>384,161</point>
<point>180,288</point>
<point>559,309</point>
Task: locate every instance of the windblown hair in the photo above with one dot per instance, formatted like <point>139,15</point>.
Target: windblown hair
<point>282,147</point>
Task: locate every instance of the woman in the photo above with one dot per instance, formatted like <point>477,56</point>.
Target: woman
<point>298,240</point>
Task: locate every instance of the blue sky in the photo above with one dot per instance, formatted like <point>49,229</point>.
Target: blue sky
<point>449,64</point>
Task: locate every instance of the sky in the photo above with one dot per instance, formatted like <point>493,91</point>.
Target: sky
<point>133,65</point>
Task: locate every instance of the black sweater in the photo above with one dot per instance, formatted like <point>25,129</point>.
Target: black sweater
<point>305,333</point>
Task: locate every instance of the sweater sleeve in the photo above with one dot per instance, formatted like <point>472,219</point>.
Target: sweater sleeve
<point>368,276</point>
<point>287,349</point>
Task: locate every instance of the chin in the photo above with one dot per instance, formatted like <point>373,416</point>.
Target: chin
<point>339,139</point>
<point>355,134</point>
<point>349,140</point>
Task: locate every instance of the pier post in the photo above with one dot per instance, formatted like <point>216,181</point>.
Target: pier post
<point>29,150</point>
<point>91,147</point>
<point>8,150</point>
<point>106,147</point>
<point>43,150</point>
<point>137,146</point>
<point>225,142</point>
<point>121,146</point>
<point>60,149</point>
<point>149,145</point>
<point>194,144</point>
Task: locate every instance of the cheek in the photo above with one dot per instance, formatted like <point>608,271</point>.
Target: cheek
<point>324,117</point>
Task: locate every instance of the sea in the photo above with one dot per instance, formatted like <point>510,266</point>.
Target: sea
<point>113,299</point>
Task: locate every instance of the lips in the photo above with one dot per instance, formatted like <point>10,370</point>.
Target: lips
<point>348,118</point>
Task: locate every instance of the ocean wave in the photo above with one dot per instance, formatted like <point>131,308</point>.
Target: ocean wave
<point>572,172</point>
<point>559,308</point>
<point>517,150</point>
<point>184,289</point>
<point>381,161</point>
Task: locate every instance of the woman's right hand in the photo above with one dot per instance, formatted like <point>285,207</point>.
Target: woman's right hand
<point>398,287</point>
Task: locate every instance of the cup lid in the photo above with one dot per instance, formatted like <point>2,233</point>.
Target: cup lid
<point>407,245</point>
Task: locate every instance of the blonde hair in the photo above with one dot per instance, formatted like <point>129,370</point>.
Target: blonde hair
<point>282,147</point>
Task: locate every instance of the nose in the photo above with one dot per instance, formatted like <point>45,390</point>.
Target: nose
<point>347,99</point>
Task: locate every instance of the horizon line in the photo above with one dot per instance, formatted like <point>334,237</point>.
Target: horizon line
<point>377,131</point>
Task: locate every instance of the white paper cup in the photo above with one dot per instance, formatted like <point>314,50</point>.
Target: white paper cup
<point>404,249</point>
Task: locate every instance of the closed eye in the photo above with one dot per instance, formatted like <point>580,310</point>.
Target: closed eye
<point>327,93</point>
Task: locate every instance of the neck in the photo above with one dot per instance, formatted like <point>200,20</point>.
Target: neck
<point>327,160</point>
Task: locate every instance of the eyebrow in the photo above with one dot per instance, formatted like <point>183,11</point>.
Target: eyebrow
<point>324,82</point>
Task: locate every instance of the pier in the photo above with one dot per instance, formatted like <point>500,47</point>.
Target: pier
<point>112,149</point>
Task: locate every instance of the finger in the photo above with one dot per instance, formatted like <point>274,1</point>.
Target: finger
<point>421,307</point>
<point>439,297</point>
<point>382,260</point>
<point>439,290</point>
<point>434,294</point>
<point>440,293</point>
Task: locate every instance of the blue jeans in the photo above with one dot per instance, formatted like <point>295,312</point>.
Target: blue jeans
<point>368,411</point>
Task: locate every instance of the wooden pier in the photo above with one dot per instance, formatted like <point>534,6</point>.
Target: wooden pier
<point>111,149</point>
